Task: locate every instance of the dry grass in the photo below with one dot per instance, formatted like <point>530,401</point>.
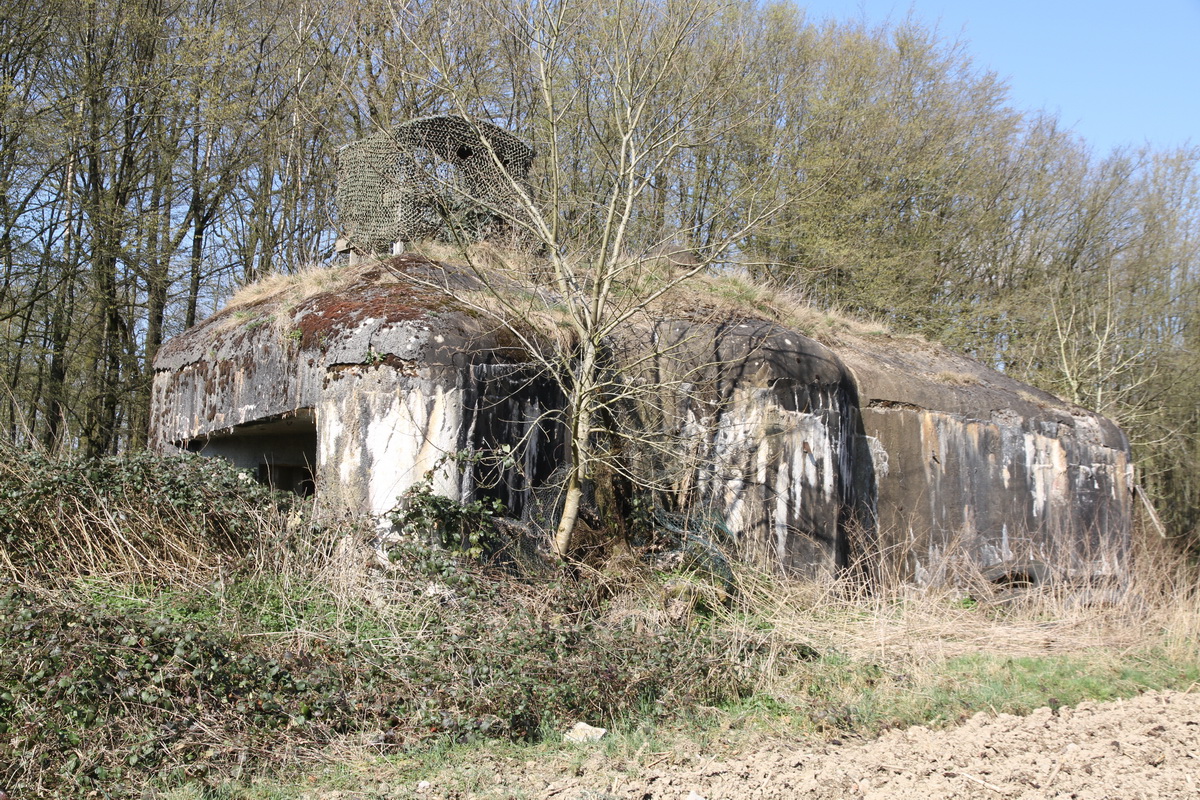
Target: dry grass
<point>292,288</point>
<point>519,287</point>
<point>136,518</point>
<point>817,657</point>
<point>915,632</point>
<point>719,297</point>
<point>827,658</point>
<point>273,299</point>
<point>517,266</point>
<point>956,378</point>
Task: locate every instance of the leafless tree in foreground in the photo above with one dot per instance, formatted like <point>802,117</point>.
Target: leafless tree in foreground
<point>639,88</point>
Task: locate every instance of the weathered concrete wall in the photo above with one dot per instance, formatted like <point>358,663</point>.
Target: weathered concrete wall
<point>395,378</point>
<point>972,464</point>
<point>219,375</point>
<point>882,451</point>
<point>382,431</point>
<point>758,427</point>
<point>385,426</point>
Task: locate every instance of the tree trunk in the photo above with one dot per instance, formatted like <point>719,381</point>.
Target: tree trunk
<point>564,536</point>
<point>583,411</point>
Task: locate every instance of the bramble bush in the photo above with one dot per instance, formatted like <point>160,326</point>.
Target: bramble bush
<point>68,516</point>
<point>461,528</point>
<point>114,697</point>
<point>120,679</point>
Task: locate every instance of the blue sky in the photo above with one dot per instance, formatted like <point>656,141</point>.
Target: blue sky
<point>1118,73</point>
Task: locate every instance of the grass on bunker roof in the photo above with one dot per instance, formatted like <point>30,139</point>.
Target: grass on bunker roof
<point>512,292</point>
<point>518,287</point>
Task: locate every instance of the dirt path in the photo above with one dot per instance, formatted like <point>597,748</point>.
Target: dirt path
<point>1146,747</point>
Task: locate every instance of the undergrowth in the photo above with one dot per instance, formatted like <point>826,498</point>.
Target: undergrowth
<point>118,681</point>
<point>139,514</point>
<point>167,624</point>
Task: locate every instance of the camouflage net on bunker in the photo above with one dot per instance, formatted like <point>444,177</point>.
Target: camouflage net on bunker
<point>433,177</point>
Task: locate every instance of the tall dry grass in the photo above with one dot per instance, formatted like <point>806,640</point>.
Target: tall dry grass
<point>915,631</point>
<point>175,520</point>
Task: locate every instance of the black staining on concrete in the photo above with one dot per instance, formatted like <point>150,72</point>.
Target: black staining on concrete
<point>870,454</point>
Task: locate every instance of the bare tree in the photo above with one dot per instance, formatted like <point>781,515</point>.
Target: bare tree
<point>640,87</point>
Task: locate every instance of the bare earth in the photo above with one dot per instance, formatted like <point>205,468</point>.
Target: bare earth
<point>1145,747</point>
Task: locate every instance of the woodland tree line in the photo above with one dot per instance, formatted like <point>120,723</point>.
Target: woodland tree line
<point>156,154</point>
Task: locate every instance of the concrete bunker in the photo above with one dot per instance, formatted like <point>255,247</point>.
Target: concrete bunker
<point>877,452</point>
<point>279,451</point>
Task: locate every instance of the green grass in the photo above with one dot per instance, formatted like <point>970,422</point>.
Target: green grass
<point>1019,685</point>
<point>294,666</point>
<point>865,699</point>
<point>840,698</point>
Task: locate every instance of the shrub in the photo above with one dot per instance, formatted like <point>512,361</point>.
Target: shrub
<point>463,529</point>
<point>115,685</point>
<point>93,697</point>
<point>62,517</point>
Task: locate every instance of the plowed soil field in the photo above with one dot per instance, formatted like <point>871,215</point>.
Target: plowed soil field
<point>1145,747</point>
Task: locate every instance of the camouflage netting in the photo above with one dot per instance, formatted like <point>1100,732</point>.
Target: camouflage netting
<point>433,177</point>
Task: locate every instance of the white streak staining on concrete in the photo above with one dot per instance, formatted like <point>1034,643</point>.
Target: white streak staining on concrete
<point>879,457</point>
<point>773,471</point>
<point>783,500</point>
<point>1046,466</point>
<point>410,437</point>
<point>383,435</point>
<point>1003,494</point>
